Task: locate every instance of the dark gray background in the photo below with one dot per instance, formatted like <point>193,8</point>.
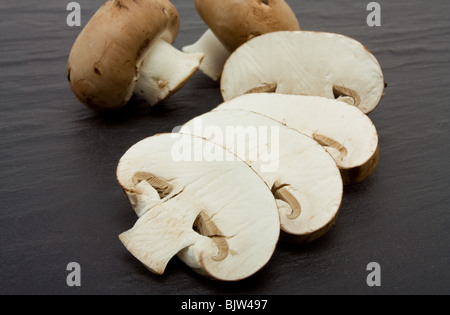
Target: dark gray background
<point>60,201</point>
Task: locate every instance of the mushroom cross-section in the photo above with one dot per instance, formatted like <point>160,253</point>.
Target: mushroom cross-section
<point>303,177</point>
<point>305,63</point>
<point>232,23</point>
<point>219,217</point>
<point>345,132</point>
<point>125,49</point>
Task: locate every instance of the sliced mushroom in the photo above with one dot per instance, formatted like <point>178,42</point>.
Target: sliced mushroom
<point>302,176</point>
<point>125,49</point>
<point>308,63</point>
<point>345,132</point>
<point>219,217</point>
<point>232,23</point>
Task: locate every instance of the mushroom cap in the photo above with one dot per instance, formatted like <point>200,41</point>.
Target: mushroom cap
<point>232,209</point>
<point>346,133</point>
<point>234,22</point>
<point>105,59</point>
<point>284,158</point>
<point>307,63</point>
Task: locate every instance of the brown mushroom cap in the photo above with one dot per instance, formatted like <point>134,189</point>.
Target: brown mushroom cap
<point>234,22</point>
<point>105,59</point>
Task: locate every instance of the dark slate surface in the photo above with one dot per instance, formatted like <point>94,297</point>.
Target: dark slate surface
<point>60,201</point>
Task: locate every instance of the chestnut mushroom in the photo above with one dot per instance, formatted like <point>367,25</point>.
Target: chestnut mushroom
<point>232,23</point>
<point>303,177</point>
<point>305,63</point>
<point>219,217</point>
<point>346,133</point>
<point>125,49</point>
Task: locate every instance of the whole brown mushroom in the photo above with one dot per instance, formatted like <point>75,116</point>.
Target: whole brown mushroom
<point>232,23</point>
<point>125,49</point>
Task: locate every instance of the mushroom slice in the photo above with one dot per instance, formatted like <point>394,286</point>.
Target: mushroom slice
<point>219,217</point>
<point>232,23</point>
<point>303,177</point>
<point>345,132</point>
<point>308,63</point>
<point>125,49</point>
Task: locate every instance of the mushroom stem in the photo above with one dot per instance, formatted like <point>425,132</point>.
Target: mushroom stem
<point>164,70</point>
<point>215,54</point>
<point>144,240</point>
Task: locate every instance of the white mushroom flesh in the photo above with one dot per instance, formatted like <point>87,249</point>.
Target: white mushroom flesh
<point>230,207</point>
<point>307,63</point>
<point>346,133</point>
<point>297,169</point>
